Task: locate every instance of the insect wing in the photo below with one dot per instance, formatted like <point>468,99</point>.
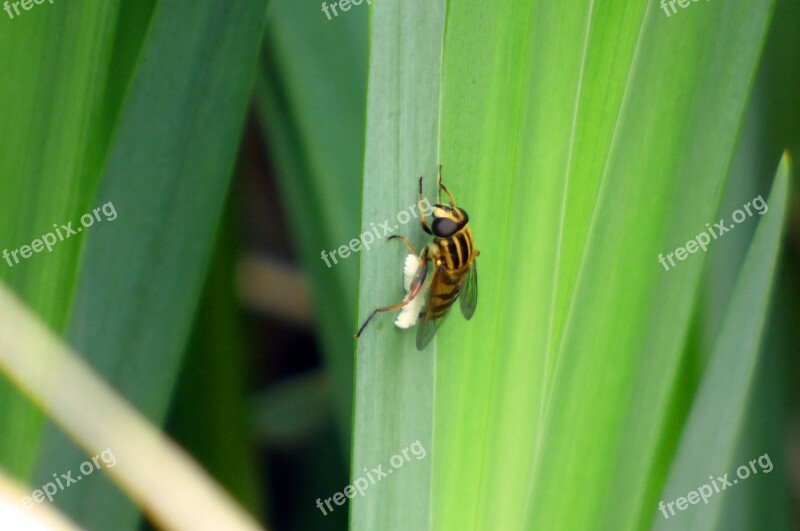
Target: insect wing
<point>435,310</point>
<point>468,298</point>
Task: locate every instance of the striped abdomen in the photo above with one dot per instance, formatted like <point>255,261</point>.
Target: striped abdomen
<point>452,258</point>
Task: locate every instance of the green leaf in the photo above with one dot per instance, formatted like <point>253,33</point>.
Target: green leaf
<point>167,174</point>
<point>716,421</point>
<point>211,415</point>
<point>395,382</point>
<point>771,125</point>
<point>311,95</point>
<point>54,121</point>
<point>584,141</point>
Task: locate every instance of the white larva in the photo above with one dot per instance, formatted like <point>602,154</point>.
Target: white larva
<point>409,314</point>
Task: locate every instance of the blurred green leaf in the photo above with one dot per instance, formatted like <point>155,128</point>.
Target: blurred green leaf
<point>54,120</point>
<point>716,421</point>
<point>772,123</point>
<point>311,99</point>
<point>212,414</point>
<point>167,174</point>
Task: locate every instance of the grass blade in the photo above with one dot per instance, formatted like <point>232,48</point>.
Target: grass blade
<point>715,423</point>
<point>394,382</point>
<point>311,99</point>
<point>55,121</point>
<point>167,174</point>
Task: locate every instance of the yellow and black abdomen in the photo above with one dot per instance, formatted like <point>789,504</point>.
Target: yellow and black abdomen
<point>453,256</point>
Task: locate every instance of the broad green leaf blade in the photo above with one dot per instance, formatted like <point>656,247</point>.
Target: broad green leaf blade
<point>394,382</point>
<point>586,140</point>
<point>715,423</point>
<point>167,174</point>
<point>311,98</point>
<point>54,121</point>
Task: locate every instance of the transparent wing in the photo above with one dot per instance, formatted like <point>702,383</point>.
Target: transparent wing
<point>441,297</point>
<point>469,293</point>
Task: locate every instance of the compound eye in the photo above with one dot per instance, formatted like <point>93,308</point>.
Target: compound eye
<point>444,227</point>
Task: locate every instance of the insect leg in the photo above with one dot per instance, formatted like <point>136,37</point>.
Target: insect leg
<point>422,210</point>
<point>408,244</point>
<point>443,187</point>
<point>416,287</point>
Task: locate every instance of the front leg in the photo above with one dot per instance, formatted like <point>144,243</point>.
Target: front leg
<point>416,288</point>
<point>408,244</point>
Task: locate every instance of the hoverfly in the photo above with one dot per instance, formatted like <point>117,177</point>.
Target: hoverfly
<point>455,275</point>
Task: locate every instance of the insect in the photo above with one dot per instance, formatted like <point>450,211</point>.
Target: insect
<point>455,275</point>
